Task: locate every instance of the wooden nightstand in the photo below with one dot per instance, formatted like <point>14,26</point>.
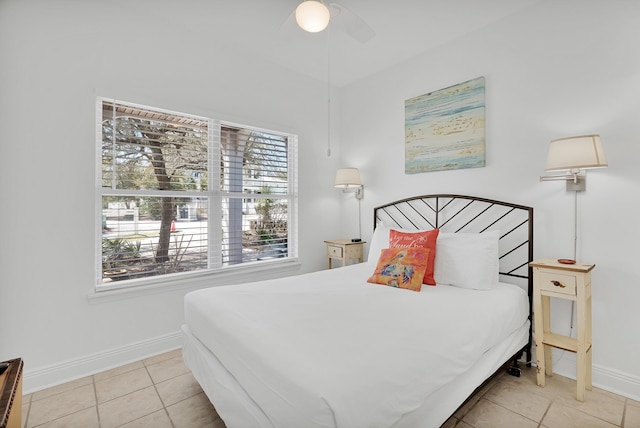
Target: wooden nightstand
<point>563,281</point>
<point>345,250</point>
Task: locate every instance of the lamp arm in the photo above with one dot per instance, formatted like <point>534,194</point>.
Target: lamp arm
<point>359,191</point>
<point>576,181</point>
<point>557,177</point>
<point>573,176</point>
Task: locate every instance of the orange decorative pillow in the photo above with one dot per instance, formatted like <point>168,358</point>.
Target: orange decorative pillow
<point>424,239</point>
<point>401,267</point>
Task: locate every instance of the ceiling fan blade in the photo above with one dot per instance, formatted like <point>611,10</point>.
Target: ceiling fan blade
<point>341,18</point>
<point>289,25</point>
<point>354,25</point>
<point>290,30</point>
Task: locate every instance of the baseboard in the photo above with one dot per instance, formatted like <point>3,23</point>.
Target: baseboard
<point>66,371</point>
<point>611,380</point>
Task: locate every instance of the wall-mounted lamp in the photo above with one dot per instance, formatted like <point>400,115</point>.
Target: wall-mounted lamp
<point>349,180</point>
<point>574,154</point>
<point>312,16</point>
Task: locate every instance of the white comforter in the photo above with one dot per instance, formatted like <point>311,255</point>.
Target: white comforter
<point>329,349</point>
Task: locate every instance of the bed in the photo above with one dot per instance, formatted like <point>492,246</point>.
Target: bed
<point>329,349</point>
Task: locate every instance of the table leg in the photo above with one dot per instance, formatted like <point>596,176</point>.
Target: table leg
<point>581,353</point>
<point>546,328</point>
<point>539,334</point>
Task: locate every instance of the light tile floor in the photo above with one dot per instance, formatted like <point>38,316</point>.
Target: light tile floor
<point>160,392</point>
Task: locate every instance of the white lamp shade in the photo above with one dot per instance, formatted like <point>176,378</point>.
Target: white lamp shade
<point>574,153</point>
<point>312,16</point>
<point>348,178</point>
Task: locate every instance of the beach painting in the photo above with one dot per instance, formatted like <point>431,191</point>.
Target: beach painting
<point>445,129</point>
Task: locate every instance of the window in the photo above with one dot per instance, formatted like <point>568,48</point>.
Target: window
<point>180,193</point>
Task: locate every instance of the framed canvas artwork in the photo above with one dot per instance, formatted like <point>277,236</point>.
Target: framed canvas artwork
<point>445,129</point>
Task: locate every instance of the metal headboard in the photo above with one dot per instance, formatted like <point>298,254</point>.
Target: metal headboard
<point>459,213</point>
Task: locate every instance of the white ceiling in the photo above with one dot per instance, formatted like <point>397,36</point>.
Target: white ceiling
<point>404,28</point>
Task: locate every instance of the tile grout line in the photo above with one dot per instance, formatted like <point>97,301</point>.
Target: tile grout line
<point>495,384</point>
<point>155,388</point>
<point>168,379</point>
<point>95,396</point>
<point>470,409</point>
<point>25,423</point>
<point>510,410</point>
<point>545,414</point>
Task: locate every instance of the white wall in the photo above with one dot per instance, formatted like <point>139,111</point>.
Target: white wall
<point>557,69</point>
<point>56,58</point>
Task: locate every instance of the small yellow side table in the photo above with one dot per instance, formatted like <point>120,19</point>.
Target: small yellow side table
<point>563,281</point>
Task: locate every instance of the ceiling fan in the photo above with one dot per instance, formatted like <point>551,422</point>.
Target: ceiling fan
<point>314,16</point>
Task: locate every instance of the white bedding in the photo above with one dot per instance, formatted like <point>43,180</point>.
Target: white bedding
<point>237,409</point>
<point>360,354</point>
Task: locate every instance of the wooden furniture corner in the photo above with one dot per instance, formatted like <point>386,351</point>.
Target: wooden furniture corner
<point>11,395</point>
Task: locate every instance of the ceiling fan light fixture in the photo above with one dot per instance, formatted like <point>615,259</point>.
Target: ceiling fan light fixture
<point>312,16</point>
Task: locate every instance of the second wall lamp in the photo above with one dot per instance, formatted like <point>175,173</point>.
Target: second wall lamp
<point>348,179</point>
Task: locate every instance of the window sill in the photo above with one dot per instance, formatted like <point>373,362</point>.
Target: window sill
<point>195,280</point>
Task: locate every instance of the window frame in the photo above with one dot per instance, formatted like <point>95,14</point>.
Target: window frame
<point>215,196</point>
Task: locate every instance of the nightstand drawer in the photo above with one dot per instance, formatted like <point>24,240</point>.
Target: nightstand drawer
<point>557,283</point>
<point>334,251</point>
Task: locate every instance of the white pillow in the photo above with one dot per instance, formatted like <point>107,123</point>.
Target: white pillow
<point>468,260</point>
<point>379,241</point>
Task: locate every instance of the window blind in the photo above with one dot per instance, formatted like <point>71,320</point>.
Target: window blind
<point>181,193</point>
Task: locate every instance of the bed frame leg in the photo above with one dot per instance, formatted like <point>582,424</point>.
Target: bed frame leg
<point>514,370</point>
